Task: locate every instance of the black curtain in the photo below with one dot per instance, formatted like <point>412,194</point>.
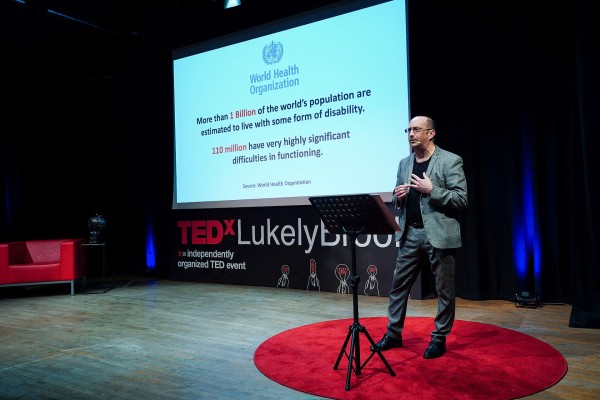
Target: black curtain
<point>511,84</point>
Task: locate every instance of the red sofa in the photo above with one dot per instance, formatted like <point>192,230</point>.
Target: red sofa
<point>36,262</point>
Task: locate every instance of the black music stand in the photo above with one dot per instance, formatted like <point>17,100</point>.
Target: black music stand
<point>354,215</point>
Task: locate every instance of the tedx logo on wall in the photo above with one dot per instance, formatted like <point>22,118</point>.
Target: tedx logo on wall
<point>209,231</point>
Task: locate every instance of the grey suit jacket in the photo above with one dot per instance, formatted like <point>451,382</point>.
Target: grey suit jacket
<point>439,210</point>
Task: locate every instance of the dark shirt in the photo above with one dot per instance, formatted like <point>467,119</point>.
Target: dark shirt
<point>413,211</point>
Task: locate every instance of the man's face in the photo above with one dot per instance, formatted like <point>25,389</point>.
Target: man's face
<point>419,133</point>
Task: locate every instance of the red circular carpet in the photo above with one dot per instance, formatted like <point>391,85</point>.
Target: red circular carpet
<point>482,362</point>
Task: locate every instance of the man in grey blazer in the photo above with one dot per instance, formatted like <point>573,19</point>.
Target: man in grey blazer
<point>430,190</point>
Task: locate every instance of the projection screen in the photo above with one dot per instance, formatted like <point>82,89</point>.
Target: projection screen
<point>313,105</point>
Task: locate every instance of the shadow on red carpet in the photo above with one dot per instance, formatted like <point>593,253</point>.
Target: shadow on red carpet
<point>482,361</point>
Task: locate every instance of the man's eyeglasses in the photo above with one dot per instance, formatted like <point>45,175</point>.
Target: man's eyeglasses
<point>417,130</point>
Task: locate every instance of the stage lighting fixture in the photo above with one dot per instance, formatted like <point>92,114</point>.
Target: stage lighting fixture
<point>232,3</point>
<point>527,299</point>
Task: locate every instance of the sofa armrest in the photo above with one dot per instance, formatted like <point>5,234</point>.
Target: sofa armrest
<point>3,263</point>
<point>10,253</point>
<point>70,259</point>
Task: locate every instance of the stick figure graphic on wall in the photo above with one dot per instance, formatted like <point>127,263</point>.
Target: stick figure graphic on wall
<point>284,279</point>
<point>372,285</point>
<point>342,273</point>
<point>313,279</point>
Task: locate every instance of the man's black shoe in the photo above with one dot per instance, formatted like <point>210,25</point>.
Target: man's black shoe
<point>386,343</point>
<point>435,350</point>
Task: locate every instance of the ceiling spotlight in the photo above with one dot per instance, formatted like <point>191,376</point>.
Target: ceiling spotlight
<point>232,3</point>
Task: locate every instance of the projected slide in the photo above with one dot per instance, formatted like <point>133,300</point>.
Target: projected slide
<point>308,107</point>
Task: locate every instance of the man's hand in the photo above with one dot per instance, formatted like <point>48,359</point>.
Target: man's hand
<point>401,190</point>
<point>422,185</point>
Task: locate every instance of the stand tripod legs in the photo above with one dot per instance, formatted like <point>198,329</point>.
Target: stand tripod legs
<point>354,355</point>
<point>356,328</point>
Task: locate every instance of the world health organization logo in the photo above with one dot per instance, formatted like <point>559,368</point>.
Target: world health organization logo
<point>272,52</point>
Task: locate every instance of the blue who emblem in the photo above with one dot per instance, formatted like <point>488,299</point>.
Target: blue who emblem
<point>272,52</point>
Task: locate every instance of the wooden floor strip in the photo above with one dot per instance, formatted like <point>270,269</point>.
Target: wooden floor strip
<point>162,339</point>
